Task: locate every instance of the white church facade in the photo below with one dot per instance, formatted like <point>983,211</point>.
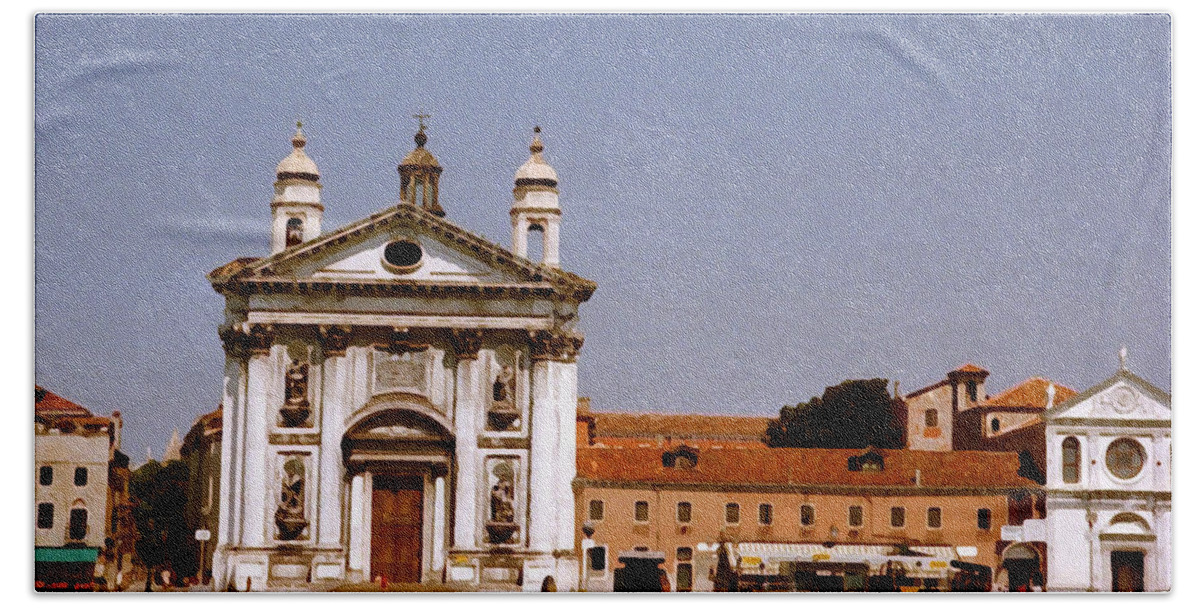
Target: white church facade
<point>399,394</point>
<point>1108,490</point>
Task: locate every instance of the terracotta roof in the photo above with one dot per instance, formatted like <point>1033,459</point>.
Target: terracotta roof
<point>614,424</point>
<point>47,403</point>
<point>970,368</point>
<point>1029,394</point>
<point>804,467</point>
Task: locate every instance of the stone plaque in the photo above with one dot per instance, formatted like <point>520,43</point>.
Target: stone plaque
<point>406,372</point>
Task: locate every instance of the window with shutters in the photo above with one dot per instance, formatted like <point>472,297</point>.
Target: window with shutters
<point>733,513</point>
<point>855,516</point>
<point>933,518</point>
<point>641,511</point>
<point>897,517</point>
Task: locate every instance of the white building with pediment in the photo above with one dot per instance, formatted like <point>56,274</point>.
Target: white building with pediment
<point>399,394</point>
<point>1108,489</point>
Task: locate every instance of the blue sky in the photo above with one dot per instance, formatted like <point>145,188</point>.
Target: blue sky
<point>769,204</point>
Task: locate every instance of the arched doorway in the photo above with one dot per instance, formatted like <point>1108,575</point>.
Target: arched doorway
<point>1128,540</point>
<point>398,456</point>
<point>1020,568</point>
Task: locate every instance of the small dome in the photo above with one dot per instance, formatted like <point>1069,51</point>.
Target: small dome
<point>420,157</point>
<point>536,171</point>
<point>297,165</point>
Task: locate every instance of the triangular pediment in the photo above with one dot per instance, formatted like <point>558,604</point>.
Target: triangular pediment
<point>356,256</point>
<point>1125,397</point>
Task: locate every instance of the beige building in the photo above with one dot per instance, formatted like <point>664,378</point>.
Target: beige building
<point>81,495</point>
<point>682,497</point>
<point>201,450</point>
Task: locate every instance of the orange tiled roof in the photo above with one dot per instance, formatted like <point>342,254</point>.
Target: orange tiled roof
<point>970,368</point>
<point>614,424</point>
<point>1029,394</point>
<point>47,403</point>
<point>804,467</point>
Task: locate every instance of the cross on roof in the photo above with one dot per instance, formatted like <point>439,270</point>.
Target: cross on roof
<point>421,119</point>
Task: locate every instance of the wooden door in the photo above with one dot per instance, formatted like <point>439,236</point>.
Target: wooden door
<point>1127,570</point>
<point>396,504</point>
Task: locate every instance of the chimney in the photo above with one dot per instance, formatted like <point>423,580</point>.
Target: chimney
<point>117,423</point>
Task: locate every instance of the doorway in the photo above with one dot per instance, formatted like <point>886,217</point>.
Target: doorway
<point>396,525</point>
<point>1127,570</point>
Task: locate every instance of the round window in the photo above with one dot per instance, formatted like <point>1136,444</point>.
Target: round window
<point>402,256</point>
<point>1125,458</point>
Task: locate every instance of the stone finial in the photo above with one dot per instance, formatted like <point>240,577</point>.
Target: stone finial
<point>1123,354</point>
<point>1050,395</point>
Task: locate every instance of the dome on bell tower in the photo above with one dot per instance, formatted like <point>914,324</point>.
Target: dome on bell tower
<point>297,165</point>
<point>419,173</point>
<point>536,171</point>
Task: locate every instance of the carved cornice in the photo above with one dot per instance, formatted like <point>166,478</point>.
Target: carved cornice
<point>335,339</point>
<point>555,346</point>
<point>467,342</point>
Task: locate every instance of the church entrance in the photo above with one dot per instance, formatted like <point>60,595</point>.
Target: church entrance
<point>396,524</point>
<point>1127,570</point>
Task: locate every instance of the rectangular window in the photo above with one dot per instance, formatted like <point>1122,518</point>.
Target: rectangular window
<point>764,514</point>
<point>972,390</point>
<point>733,513</point>
<point>78,524</point>
<point>807,515</point>
<point>985,519</point>
<point>641,511</point>
<point>934,517</point>
<point>897,517</point>
<point>45,516</point>
<point>596,510</point>
<point>855,517</point>
<point>597,559</point>
<point>930,417</point>
<point>683,554</point>
<point>683,512</point>
<point>683,577</point>
<point>46,475</point>
<point>81,476</point>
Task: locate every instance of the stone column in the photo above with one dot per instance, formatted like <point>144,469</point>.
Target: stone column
<point>551,501</point>
<point>334,382</point>
<point>438,561</point>
<point>233,405</point>
<point>357,522</point>
<point>468,416</point>
<point>259,389</point>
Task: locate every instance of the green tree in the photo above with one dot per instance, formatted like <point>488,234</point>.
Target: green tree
<point>159,495</point>
<point>853,414</point>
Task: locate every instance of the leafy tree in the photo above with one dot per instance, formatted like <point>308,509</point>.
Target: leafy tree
<point>159,495</point>
<point>853,414</point>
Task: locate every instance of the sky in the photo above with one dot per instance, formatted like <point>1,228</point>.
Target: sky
<point>769,204</point>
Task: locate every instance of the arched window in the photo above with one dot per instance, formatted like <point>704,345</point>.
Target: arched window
<point>78,524</point>
<point>995,425</point>
<point>295,232</point>
<point>536,247</point>
<point>1070,460</point>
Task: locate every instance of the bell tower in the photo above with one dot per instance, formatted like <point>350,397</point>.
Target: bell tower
<point>419,173</point>
<point>535,205</point>
<point>296,209</point>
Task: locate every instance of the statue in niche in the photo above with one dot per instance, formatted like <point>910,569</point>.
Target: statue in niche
<point>289,513</point>
<point>503,410</point>
<point>501,525</point>
<point>295,406</point>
